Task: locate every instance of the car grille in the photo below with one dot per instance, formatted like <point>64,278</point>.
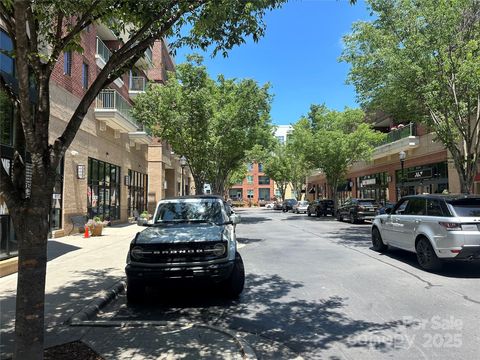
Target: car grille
<point>178,253</point>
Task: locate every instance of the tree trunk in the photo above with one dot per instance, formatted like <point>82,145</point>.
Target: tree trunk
<point>467,170</point>
<point>31,228</point>
<point>198,186</point>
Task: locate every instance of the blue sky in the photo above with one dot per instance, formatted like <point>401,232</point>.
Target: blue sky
<point>298,56</point>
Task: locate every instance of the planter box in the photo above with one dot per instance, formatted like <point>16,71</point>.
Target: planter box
<point>96,230</point>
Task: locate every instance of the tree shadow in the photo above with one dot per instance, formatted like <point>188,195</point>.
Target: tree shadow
<point>267,310</point>
<point>243,240</point>
<point>247,219</point>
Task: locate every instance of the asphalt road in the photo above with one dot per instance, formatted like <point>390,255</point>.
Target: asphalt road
<point>314,288</point>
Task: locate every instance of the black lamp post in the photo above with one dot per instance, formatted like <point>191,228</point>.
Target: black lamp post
<point>402,155</point>
<point>183,163</point>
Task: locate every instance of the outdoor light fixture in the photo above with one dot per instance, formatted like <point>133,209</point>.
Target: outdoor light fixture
<point>80,171</point>
<point>402,155</point>
<point>183,163</point>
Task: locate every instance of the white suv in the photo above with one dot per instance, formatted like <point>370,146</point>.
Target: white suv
<point>435,227</point>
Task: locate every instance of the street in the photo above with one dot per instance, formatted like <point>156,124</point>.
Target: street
<point>315,289</point>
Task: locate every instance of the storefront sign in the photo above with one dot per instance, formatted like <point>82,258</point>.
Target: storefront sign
<point>56,196</point>
<point>369,182</point>
<point>419,174</point>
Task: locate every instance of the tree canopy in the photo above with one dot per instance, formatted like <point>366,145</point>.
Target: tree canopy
<point>420,60</point>
<point>332,141</point>
<point>213,123</point>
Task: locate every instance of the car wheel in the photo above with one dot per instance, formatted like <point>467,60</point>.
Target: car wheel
<point>233,286</point>
<point>352,219</point>
<point>377,241</point>
<point>135,291</point>
<point>308,213</point>
<point>339,216</point>
<point>426,256</point>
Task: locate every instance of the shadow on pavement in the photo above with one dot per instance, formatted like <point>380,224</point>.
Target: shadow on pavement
<point>56,249</point>
<point>360,236</point>
<point>243,240</point>
<point>246,219</point>
<point>267,310</point>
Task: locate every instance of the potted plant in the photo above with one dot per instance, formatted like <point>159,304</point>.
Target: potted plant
<point>96,225</point>
<point>143,219</point>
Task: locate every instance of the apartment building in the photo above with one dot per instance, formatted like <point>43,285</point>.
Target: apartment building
<point>422,167</point>
<point>108,171</point>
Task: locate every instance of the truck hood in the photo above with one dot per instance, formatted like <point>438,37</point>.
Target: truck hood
<point>180,233</point>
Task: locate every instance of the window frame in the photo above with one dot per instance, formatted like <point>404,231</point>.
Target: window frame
<point>85,77</point>
<point>67,63</point>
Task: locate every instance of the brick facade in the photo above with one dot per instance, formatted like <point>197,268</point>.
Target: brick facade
<point>254,186</point>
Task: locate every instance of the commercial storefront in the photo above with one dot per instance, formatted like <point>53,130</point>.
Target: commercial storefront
<point>429,178</point>
<point>137,192</point>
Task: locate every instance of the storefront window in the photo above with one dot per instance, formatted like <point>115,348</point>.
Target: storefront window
<point>430,179</point>
<point>137,193</point>
<point>103,192</point>
<point>373,186</point>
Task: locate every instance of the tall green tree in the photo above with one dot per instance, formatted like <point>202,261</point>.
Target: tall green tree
<point>277,166</point>
<point>420,60</point>
<point>332,141</point>
<point>40,32</point>
<point>212,123</point>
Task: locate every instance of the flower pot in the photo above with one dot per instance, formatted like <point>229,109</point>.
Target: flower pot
<point>96,230</point>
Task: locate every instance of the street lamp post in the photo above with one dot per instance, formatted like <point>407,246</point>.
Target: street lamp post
<point>402,155</point>
<point>183,163</point>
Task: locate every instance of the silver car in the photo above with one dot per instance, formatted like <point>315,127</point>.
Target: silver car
<point>301,207</point>
<point>190,239</point>
<point>435,227</point>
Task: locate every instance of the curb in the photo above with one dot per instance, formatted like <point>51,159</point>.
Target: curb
<point>92,309</point>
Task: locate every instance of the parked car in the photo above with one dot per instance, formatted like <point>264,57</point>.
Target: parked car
<point>301,207</point>
<point>191,239</point>
<point>321,207</point>
<point>278,205</point>
<point>356,210</point>
<point>288,205</point>
<point>270,205</point>
<point>435,227</point>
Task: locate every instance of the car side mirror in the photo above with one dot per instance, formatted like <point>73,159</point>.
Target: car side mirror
<point>388,211</point>
<point>235,219</point>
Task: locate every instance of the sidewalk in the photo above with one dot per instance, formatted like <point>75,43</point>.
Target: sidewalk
<point>78,271</point>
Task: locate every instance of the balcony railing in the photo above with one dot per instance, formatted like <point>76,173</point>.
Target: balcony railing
<point>137,83</point>
<point>400,133</point>
<point>109,99</point>
<point>103,51</point>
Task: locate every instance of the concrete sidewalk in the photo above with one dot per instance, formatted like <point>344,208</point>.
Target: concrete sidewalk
<point>78,272</point>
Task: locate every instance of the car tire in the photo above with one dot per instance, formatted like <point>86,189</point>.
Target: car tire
<point>352,219</point>
<point>135,291</point>
<point>426,256</point>
<point>233,286</point>
<point>339,216</point>
<point>308,213</point>
<point>377,242</point>
<point>317,213</point>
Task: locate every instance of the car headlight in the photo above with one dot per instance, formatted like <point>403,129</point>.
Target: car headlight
<point>136,252</point>
<point>219,249</point>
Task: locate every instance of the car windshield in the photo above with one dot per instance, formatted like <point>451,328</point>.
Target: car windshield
<point>303,203</point>
<point>466,207</point>
<point>189,210</point>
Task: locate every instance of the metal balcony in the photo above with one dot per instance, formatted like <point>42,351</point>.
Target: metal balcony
<point>143,135</point>
<point>401,139</point>
<point>114,110</point>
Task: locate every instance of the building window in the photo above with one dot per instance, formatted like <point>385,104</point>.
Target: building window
<point>264,194</point>
<point>67,63</point>
<point>260,167</point>
<point>249,179</point>
<point>250,167</point>
<point>137,193</point>
<point>278,193</point>
<point>85,76</point>
<point>281,139</point>
<point>6,62</point>
<point>263,180</point>
<point>103,192</point>
<point>250,194</point>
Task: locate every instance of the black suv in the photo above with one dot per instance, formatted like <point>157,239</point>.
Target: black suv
<point>191,239</point>
<point>288,204</point>
<point>321,207</point>
<point>356,210</point>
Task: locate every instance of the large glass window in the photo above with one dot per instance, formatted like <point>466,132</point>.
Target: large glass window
<point>264,194</point>
<point>249,179</point>
<point>6,62</point>
<point>103,192</point>
<point>137,193</point>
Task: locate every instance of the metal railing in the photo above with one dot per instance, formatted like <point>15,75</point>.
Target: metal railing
<point>110,99</point>
<point>103,51</point>
<point>137,83</point>
<point>400,133</point>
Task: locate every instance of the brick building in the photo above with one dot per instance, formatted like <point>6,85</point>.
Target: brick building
<point>108,171</point>
<point>426,168</point>
<point>255,188</point>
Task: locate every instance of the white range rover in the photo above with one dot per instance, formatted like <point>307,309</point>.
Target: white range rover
<point>435,227</point>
